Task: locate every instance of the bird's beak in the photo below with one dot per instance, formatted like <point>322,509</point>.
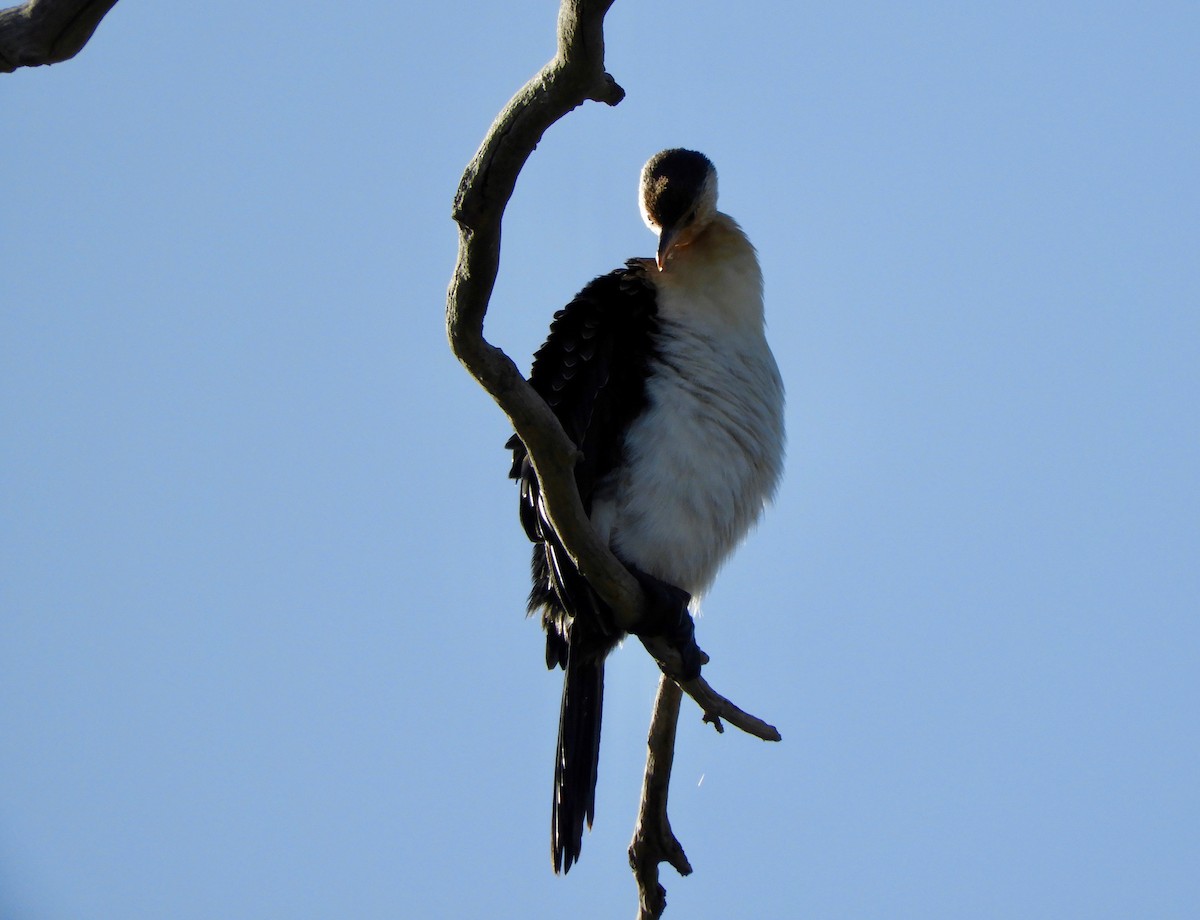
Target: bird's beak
<point>666,242</point>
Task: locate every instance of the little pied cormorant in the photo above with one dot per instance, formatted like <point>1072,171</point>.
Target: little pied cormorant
<point>661,374</point>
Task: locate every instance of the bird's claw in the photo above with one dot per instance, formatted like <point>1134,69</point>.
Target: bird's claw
<point>667,617</point>
<point>683,640</point>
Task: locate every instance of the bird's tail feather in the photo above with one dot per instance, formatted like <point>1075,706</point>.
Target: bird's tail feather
<point>578,756</point>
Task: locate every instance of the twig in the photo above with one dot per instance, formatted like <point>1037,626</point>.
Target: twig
<point>714,706</point>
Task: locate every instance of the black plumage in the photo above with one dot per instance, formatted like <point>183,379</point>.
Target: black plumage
<point>592,372</point>
<point>669,185</point>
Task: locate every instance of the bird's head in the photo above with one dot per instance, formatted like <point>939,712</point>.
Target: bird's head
<point>678,198</point>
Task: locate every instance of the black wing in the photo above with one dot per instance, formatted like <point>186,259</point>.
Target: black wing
<point>592,372</point>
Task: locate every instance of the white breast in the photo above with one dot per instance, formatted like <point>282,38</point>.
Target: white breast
<point>707,453</point>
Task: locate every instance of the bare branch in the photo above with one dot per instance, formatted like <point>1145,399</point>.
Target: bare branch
<point>47,31</point>
<point>575,75</point>
<point>714,706</point>
<point>653,840</point>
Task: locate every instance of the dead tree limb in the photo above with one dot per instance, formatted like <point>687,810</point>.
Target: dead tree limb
<point>575,75</point>
<point>653,840</point>
<point>47,31</point>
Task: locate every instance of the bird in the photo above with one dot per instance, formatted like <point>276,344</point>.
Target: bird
<point>661,375</point>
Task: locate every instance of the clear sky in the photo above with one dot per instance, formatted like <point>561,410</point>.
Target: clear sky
<point>262,646</point>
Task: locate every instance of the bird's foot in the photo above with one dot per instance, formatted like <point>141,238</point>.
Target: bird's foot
<point>667,617</point>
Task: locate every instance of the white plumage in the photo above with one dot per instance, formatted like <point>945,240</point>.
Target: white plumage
<point>707,452</point>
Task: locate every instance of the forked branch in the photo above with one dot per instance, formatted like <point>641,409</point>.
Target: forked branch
<point>575,75</point>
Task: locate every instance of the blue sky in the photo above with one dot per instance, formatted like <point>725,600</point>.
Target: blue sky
<point>262,650</point>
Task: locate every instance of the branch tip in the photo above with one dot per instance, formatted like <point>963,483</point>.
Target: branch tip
<point>609,92</point>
